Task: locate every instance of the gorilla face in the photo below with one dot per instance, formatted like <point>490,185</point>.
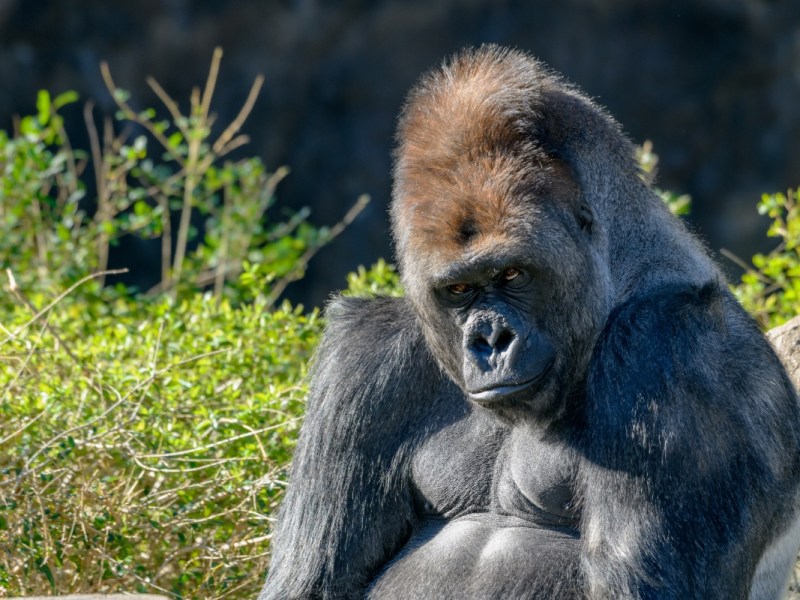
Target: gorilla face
<point>506,313</point>
<point>504,354</point>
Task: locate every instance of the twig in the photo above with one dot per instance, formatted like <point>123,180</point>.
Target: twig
<point>186,210</point>
<point>219,443</point>
<point>100,175</point>
<point>166,238</point>
<point>280,286</point>
<point>150,469</point>
<point>171,106</point>
<point>13,286</point>
<point>739,262</point>
<point>232,129</point>
<point>222,258</point>
<point>39,237</point>
<point>211,81</point>
<point>70,155</point>
<point>131,114</point>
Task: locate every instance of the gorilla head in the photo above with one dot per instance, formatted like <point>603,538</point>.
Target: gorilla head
<point>500,252</point>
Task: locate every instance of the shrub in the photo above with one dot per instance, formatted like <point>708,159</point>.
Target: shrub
<point>381,279</point>
<point>679,204</point>
<point>770,288</point>
<point>144,437</point>
<point>51,241</point>
<point>144,443</point>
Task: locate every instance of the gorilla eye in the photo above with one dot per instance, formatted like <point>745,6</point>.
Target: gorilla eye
<point>459,288</point>
<point>510,274</point>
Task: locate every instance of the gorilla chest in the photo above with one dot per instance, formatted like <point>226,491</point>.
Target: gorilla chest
<point>478,465</point>
<point>453,470</point>
<point>496,519</point>
<point>536,480</point>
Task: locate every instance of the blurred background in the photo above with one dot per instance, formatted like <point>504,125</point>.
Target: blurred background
<point>715,84</point>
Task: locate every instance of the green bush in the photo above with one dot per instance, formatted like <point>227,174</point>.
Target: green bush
<point>151,186</point>
<point>770,289</point>
<point>143,443</point>
<point>144,437</point>
<point>679,204</point>
<point>381,279</point>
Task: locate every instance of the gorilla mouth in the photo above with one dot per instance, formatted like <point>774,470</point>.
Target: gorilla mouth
<point>491,394</point>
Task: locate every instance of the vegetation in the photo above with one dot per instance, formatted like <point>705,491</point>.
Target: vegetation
<point>145,434</point>
<point>770,288</point>
<point>380,280</point>
<point>143,443</point>
<point>648,160</point>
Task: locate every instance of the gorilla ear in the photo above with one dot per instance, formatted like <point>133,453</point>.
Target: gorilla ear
<point>585,217</point>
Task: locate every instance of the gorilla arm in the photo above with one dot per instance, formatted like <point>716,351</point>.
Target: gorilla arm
<point>348,506</point>
<point>690,448</point>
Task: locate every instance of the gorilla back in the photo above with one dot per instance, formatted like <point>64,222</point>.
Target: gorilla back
<point>568,403</point>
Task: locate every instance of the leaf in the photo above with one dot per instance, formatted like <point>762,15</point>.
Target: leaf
<point>121,95</point>
<point>30,128</point>
<point>175,140</point>
<point>43,106</point>
<point>44,568</point>
<point>65,98</point>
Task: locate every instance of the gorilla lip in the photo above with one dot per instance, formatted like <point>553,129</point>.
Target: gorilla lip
<point>501,391</point>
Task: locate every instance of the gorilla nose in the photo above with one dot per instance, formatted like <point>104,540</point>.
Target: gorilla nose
<point>489,339</point>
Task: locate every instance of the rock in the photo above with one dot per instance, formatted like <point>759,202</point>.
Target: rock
<point>786,341</point>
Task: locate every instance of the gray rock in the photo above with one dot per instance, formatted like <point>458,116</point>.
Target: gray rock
<point>786,341</point>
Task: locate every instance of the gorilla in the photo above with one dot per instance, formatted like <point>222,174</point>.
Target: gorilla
<point>568,403</point>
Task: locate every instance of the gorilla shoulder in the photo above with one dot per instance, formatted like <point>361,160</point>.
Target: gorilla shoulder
<point>370,320</point>
<point>369,343</point>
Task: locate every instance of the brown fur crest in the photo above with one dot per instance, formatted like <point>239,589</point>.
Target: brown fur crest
<point>468,158</point>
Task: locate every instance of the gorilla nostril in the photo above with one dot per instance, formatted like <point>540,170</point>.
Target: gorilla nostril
<point>481,345</point>
<point>498,341</point>
<point>503,340</point>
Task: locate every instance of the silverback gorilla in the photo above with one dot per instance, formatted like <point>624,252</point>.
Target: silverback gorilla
<point>569,403</point>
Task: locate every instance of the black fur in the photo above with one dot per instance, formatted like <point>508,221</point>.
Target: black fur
<point>602,420</point>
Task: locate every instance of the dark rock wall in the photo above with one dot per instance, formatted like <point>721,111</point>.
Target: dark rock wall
<point>714,83</point>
